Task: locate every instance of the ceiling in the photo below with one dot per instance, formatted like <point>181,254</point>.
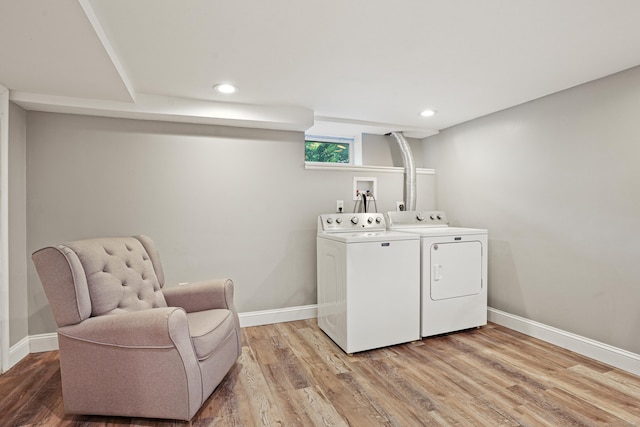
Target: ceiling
<point>366,64</point>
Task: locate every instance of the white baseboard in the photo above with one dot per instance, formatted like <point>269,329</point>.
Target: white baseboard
<point>604,353</point>
<point>601,352</point>
<point>267,317</point>
<point>32,344</point>
<point>18,351</point>
<point>43,342</point>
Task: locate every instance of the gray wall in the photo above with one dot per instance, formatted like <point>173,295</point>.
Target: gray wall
<point>381,150</point>
<point>556,182</point>
<point>218,201</point>
<point>18,320</point>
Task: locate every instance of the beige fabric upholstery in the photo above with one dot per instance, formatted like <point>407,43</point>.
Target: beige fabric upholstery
<point>128,347</point>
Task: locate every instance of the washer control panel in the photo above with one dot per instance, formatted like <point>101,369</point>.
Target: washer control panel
<point>417,219</point>
<point>344,222</point>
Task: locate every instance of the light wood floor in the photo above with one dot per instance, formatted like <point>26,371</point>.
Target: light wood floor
<point>291,374</point>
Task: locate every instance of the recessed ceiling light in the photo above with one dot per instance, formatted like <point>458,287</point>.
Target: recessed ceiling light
<point>428,113</point>
<point>225,88</point>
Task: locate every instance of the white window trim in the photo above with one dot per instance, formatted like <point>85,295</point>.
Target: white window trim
<point>343,167</point>
<point>355,148</point>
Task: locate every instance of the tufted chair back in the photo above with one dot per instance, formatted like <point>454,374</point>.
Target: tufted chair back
<point>106,276</point>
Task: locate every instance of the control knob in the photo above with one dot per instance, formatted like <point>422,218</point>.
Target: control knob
<point>378,220</point>
<point>370,220</point>
<point>339,220</point>
<point>439,216</point>
<point>433,217</point>
<point>329,220</point>
<point>354,220</point>
<point>420,216</point>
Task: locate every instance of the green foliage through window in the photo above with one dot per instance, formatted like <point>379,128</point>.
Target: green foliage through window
<point>327,152</point>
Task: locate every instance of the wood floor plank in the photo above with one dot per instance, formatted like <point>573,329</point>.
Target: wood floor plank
<point>30,396</point>
<point>586,412</point>
<point>486,362</point>
<point>317,409</point>
<point>538,371</point>
<point>528,415</point>
<point>485,382</point>
<point>264,410</point>
<point>544,369</point>
<point>537,398</point>
<point>347,396</point>
<point>524,351</point>
<point>624,380</point>
<point>586,384</point>
<point>396,381</point>
<point>545,349</point>
<point>292,374</point>
<point>229,405</point>
<point>454,391</point>
<point>327,349</point>
<point>610,385</point>
<point>385,388</point>
<point>384,407</point>
<point>304,350</point>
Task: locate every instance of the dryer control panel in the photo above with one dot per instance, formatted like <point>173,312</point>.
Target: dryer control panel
<point>350,222</point>
<point>417,219</point>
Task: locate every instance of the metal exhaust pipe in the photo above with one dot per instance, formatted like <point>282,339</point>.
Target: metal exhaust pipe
<point>409,172</point>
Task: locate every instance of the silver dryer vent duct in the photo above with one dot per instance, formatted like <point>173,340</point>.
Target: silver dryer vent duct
<point>409,172</point>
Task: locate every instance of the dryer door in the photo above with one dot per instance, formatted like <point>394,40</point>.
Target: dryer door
<point>456,269</point>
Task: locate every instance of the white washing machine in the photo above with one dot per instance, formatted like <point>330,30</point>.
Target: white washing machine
<point>453,271</point>
<point>368,282</point>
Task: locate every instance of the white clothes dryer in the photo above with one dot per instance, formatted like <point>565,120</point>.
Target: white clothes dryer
<point>368,282</point>
<point>453,271</point>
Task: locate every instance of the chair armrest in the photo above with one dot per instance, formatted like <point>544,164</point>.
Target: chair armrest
<point>140,364</point>
<point>154,328</point>
<point>199,296</point>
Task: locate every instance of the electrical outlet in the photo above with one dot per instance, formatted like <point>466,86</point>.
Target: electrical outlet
<point>339,206</point>
<point>399,206</point>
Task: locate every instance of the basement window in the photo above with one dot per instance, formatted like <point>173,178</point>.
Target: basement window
<point>328,149</point>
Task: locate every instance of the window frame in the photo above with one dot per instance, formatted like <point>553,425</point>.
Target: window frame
<point>355,148</point>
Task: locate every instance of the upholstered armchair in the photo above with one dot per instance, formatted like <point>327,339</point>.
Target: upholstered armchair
<point>128,347</point>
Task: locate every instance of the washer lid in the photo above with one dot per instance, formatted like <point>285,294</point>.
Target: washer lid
<point>442,231</point>
<point>369,236</point>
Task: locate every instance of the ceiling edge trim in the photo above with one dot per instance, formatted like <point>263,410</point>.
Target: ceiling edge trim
<point>171,109</point>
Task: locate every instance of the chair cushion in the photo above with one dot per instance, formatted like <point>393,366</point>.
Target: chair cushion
<point>209,329</point>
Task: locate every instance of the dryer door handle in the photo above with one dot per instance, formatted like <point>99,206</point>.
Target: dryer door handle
<point>437,272</point>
